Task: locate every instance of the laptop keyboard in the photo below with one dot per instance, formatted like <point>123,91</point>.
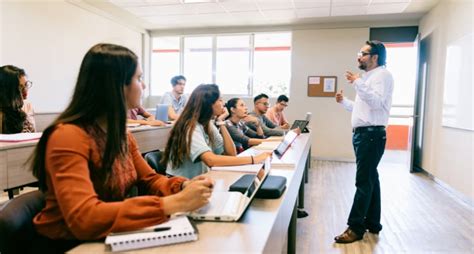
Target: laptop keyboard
<point>222,204</point>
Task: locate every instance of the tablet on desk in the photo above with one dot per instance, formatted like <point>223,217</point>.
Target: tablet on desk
<point>299,124</point>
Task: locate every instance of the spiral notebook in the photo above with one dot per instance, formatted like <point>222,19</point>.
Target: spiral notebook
<point>176,230</point>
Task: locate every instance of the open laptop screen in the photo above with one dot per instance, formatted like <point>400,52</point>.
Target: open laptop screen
<point>162,112</point>
<point>285,144</point>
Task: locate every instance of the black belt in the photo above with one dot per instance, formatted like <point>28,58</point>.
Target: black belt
<point>368,128</point>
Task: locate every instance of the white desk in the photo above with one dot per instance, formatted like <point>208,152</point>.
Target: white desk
<point>13,156</point>
<point>262,229</point>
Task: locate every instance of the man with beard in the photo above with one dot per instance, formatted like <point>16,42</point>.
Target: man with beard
<point>176,98</point>
<point>370,113</point>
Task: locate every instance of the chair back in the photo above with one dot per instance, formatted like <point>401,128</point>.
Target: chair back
<point>16,222</point>
<point>153,159</point>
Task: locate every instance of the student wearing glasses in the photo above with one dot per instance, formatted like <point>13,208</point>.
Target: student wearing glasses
<point>370,113</point>
<point>260,106</point>
<point>13,118</point>
<point>86,162</point>
<point>25,86</point>
<point>276,115</point>
<point>197,142</point>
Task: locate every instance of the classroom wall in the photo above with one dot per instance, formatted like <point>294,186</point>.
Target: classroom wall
<point>447,152</point>
<point>328,52</point>
<point>49,39</point>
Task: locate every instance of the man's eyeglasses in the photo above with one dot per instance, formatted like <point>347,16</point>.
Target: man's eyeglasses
<point>27,85</point>
<point>283,104</point>
<point>361,54</point>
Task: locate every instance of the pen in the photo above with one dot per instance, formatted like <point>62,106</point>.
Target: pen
<point>157,229</point>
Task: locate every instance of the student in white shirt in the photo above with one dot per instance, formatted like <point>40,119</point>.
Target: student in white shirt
<point>176,98</point>
<point>370,113</point>
<point>196,143</point>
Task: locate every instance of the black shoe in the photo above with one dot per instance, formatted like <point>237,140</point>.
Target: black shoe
<point>301,214</point>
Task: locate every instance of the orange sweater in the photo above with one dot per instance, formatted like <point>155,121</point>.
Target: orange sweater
<point>78,203</point>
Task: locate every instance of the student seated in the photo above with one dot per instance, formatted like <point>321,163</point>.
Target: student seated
<point>276,115</point>
<point>196,142</point>
<point>243,136</point>
<point>148,119</point>
<point>86,162</point>
<point>176,98</point>
<point>12,117</point>
<point>260,107</point>
<point>25,86</point>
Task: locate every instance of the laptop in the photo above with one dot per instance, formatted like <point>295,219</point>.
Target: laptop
<point>161,112</point>
<point>231,205</point>
<point>285,144</point>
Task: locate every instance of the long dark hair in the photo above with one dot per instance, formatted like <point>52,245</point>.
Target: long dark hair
<point>11,100</point>
<point>198,109</point>
<point>99,92</point>
<point>232,103</point>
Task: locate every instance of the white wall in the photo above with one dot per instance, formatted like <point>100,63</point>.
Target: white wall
<point>49,39</point>
<point>327,52</point>
<point>447,152</point>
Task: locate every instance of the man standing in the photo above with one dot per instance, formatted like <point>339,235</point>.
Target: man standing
<point>370,113</point>
<point>275,113</point>
<point>260,106</point>
<point>176,98</point>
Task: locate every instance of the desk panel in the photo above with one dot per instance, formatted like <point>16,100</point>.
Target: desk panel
<point>3,170</point>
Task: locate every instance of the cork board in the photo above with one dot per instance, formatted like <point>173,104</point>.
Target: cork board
<point>322,86</point>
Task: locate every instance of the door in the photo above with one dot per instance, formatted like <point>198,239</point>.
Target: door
<point>419,105</point>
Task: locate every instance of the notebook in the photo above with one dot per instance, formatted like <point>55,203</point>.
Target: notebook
<point>20,137</point>
<point>178,229</point>
<point>231,205</point>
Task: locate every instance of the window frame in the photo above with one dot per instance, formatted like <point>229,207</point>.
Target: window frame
<point>214,57</point>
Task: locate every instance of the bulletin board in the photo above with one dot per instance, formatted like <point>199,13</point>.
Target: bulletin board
<point>322,86</point>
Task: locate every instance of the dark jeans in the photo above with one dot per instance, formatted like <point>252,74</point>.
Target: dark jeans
<point>369,147</point>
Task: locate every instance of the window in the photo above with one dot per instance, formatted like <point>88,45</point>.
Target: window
<point>272,64</point>
<point>197,62</point>
<point>242,65</point>
<point>232,64</point>
<point>164,63</point>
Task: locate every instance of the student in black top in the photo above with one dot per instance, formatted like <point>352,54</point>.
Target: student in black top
<point>243,136</point>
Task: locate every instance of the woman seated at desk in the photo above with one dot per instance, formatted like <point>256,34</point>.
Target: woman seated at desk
<point>243,136</point>
<point>86,162</point>
<point>196,143</point>
<point>13,119</point>
<point>148,119</point>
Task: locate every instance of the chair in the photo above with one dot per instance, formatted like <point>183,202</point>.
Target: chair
<point>16,222</point>
<point>153,159</point>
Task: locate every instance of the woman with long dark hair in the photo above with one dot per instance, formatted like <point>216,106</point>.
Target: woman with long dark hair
<point>12,117</point>
<point>197,143</point>
<point>243,136</point>
<point>86,162</point>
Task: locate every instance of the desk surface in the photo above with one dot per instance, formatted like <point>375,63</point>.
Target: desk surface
<point>262,229</point>
<point>13,155</point>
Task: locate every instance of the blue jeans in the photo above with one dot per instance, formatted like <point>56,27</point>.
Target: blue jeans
<point>369,147</point>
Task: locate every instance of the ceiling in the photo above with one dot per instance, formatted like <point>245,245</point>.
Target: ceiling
<point>174,14</point>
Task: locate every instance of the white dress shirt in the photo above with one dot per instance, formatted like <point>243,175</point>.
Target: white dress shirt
<point>373,99</point>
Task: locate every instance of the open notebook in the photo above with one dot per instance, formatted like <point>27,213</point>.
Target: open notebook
<point>178,229</point>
